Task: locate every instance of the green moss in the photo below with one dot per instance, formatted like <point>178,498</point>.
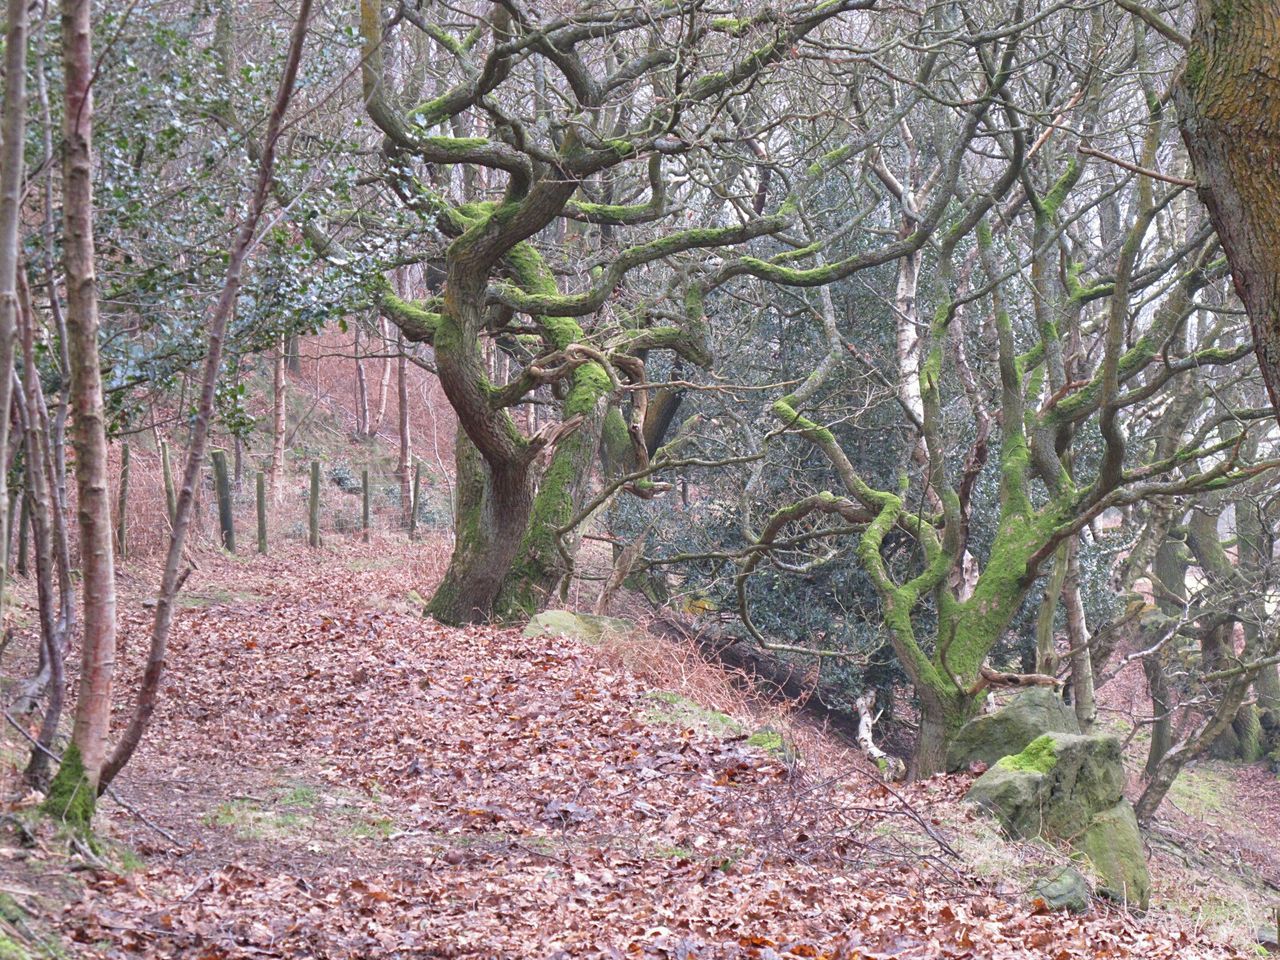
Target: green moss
<point>1202,791</point>
<point>767,740</point>
<point>784,411</point>
<point>11,949</point>
<point>1053,200</point>
<point>1037,757</point>
<point>673,709</point>
<point>1193,75</point>
<point>72,798</point>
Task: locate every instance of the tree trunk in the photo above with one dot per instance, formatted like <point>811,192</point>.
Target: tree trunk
<point>362,389</point>
<point>122,505</point>
<point>384,383</point>
<point>416,505</point>
<point>279,416</point>
<point>13,122</point>
<point>406,441</point>
<point>313,507</point>
<point>1229,113</point>
<point>492,515</point>
<point>262,512</point>
<point>40,504</point>
<point>73,793</point>
<point>222,491</point>
<point>170,497</point>
<point>1078,635</point>
<point>941,717</point>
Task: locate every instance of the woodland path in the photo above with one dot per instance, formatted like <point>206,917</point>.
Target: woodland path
<point>343,780</point>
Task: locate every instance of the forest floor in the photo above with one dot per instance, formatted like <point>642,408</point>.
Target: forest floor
<point>330,776</point>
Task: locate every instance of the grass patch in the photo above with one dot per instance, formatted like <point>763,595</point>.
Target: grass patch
<point>673,709</point>
<point>249,821</point>
<point>216,597</point>
<point>299,795</point>
<point>1202,791</point>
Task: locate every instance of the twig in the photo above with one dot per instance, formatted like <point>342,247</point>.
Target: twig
<point>1134,168</point>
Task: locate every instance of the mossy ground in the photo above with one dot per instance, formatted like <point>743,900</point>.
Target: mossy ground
<point>677,710</point>
<point>301,812</point>
<point>1202,791</point>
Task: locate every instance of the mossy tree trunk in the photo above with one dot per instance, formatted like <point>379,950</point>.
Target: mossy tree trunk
<point>222,491</point>
<point>1228,100</point>
<point>511,507</point>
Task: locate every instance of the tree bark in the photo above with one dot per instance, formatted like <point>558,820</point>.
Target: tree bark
<point>1228,100</point>
<point>279,416</point>
<point>13,122</point>
<point>406,441</point>
<point>73,792</point>
<point>122,505</point>
<point>1082,696</point>
<point>362,389</point>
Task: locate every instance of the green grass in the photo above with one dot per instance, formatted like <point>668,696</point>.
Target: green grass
<point>673,709</point>
<point>1202,791</point>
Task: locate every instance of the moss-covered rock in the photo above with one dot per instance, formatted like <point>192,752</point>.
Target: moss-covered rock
<point>1067,787</point>
<point>1054,786</point>
<point>987,738</point>
<point>1063,889</point>
<point>582,626</point>
<point>1114,847</point>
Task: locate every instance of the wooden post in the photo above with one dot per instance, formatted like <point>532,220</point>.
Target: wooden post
<point>262,512</point>
<point>170,497</point>
<point>314,506</point>
<point>122,520</point>
<point>364,514</point>
<point>417,495</point>
<point>222,490</point>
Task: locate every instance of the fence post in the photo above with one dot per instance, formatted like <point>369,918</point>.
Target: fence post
<point>416,500</point>
<point>222,489</point>
<point>262,512</point>
<point>314,505</point>
<point>364,514</point>
<point>122,520</point>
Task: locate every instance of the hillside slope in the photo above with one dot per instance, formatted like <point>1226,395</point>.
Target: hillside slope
<point>332,777</point>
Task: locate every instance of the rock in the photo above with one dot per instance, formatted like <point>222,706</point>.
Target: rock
<point>583,626</point>
<point>1114,847</point>
<point>1069,787</point>
<point>987,738</point>
<point>1064,889</point>
<point>1007,795</point>
<point>1055,786</point>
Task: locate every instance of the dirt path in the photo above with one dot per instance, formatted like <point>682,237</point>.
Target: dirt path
<point>344,780</point>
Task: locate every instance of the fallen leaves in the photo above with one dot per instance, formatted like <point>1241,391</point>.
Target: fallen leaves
<point>428,792</point>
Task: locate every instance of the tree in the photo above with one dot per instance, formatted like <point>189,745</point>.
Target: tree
<point>74,789</point>
<point>1230,120</point>
<point>629,101</point>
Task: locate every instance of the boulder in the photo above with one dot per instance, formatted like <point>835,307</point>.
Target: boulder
<point>1054,786</point>
<point>1114,847</point>
<point>987,738</point>
<point>582,626</point>
<point>1064,889</point>
<point>1068,787</point>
